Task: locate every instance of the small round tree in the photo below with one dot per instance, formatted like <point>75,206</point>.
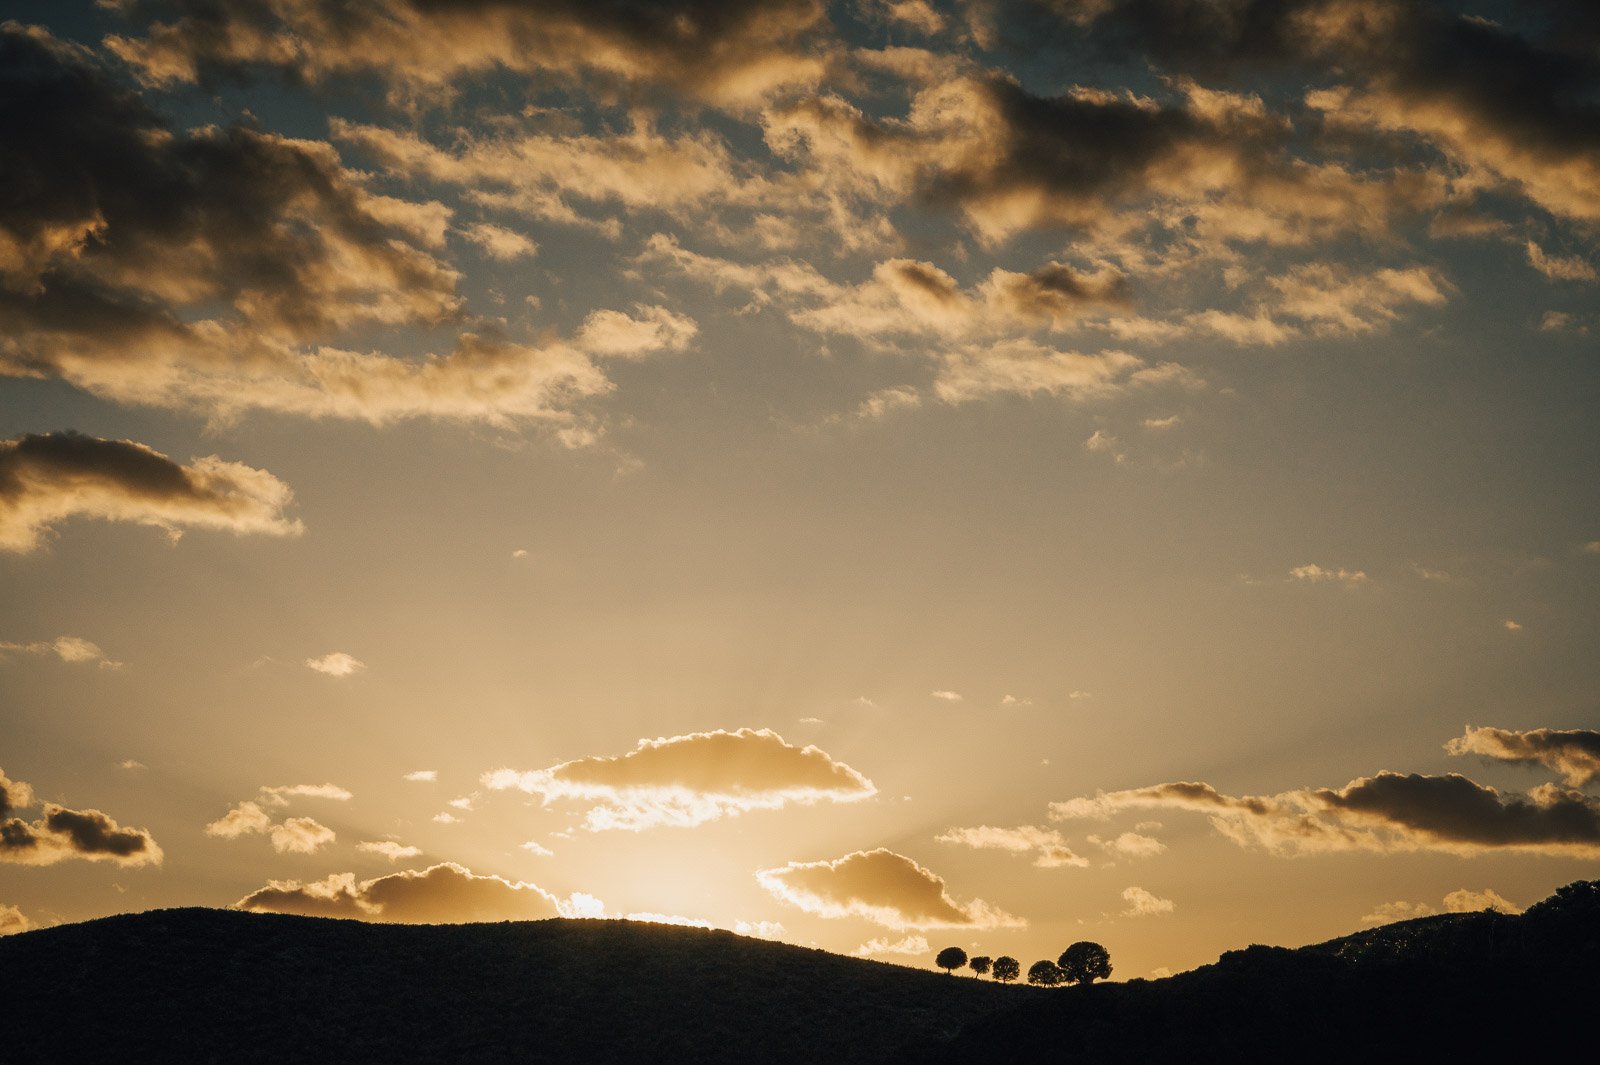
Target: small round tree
<point>1006,968</point>
<point>1084,963</point>
<point>981,963</point>
<point>1045,973</point>
<point>950,959</point>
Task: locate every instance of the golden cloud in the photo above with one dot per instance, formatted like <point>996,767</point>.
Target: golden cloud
<point>13,920</point>
<point>1573,753</point>
<point>1050,849</point>
<point>442,894</point>
<point>687,780</point>
<point>728,52</point>
<point>66,648</point>
<point>883,887</point>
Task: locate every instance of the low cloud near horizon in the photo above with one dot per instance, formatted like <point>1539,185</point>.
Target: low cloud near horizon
<point>881,886</point>
<point>441,894</point>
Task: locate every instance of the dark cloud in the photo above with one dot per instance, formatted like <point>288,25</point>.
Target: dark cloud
<point>442,894</point>
<point>107,207</point>
<point>49,477</point>
<point>1512,94</point>
<point>719,49</point>
<point>1574,753</point>
<point>1197,164</point>
<point>118,236</point>
<point>1451,811</point>
<point>62,834</point>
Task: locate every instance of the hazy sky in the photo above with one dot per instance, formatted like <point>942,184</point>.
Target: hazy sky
<point>879,475</point>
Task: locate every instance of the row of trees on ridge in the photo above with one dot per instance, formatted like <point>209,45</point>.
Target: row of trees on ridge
<point>1082,963</point>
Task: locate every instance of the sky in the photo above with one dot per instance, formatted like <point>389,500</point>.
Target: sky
<point>879,475</point>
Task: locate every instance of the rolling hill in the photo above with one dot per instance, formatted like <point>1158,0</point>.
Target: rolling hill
<point>195,985</point>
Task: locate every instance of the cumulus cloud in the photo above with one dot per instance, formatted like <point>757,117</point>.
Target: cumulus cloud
<point>62,834</point>
<point>389,849</point>
<point>442,894</point>
<point>1387,812</point>
<point>726,52</point>
<point>1049,849</point>
<point>47,478</point>
<point>243,819</point>
<point>292,835</point>
<point>336,664</point>
<point>687,780</point>
<point>66,648</point>
<point>1142,903</point>
<point>883,887</point>
<point>946,696</point>
<point>1573,753</point>
<point>423,775</point>
<point>13,920</point>
<point>299,835</point>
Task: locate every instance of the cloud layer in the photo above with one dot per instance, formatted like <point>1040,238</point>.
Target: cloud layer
<point>687,780</point>
<point>1384,812</point>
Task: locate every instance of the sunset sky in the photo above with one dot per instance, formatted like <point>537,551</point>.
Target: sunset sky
<point>877,475</point>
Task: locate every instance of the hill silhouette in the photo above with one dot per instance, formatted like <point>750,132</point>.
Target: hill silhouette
<point>1450,988</point>
<point>196,985</point>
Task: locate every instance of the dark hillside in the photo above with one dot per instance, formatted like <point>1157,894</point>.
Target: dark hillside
<point>1453,988</point>
<point>178,986</point>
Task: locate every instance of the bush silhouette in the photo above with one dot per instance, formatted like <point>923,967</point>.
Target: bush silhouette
<point>1006,968</point>
<point>981,963</point>
<point>950,959</point>
<point>1084,963</point>
<point>1045,973</point>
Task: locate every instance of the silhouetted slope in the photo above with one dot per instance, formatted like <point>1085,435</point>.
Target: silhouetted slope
<point>1454,988</point>
<point>178,986</point>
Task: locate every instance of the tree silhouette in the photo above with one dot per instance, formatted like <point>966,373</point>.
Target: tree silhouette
<point>1006,968</point>
<point>1045,973</point>
<point>981,963</point>
<point>1084,963</point>
<point>950,959</point>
